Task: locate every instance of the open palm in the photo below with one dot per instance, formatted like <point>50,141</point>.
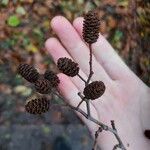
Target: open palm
<point>126,99</point>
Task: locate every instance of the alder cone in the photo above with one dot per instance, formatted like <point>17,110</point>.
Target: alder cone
<point>28,72</point>
<point>37,106</point>
<point>52,78</point>
<point>94,90</point>
<point>43,86</point>
<point>67,66</point>
<point>91,27</point>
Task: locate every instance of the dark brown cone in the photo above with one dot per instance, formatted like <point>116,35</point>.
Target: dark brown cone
<point>37,106</point>
<point>147,133</point>
<point>52,77</point>
<point>94,90</point>
<point>67,66</point>
<point>91,27</point>
<point>43,86</point>
<point>28,72</point>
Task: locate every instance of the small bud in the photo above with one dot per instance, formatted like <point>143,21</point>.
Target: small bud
<point>91,27</point>
<point>37,106</point>
<point>94,90</point>
<point>43,86</point>
<point>52,78</point>
<point>67,66</point>
<point>147,133</point>
<point>28,72</point>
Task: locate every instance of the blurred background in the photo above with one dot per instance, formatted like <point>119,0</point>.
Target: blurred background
<point>24,27</point>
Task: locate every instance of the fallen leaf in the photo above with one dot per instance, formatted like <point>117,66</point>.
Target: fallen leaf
<point>5,2</point>
<point>103,27</point>
<point>20,10</point>
<point>112,22</point>
<point>32,48</point>
<point>13,21</point>
<point>23,90</point>
<point>5,89</point>
<point>46,129</point>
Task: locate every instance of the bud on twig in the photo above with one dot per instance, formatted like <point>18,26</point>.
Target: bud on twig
<point>94,90</point>
<point>147,133</point>
<point>37,106</point>
<point>67,66</point>
<point>91,27</point>
<point>28,72</point>
<point>52,78</point>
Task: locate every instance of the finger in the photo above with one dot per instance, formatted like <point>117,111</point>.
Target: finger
<point>69,91</point>
<point>77,48</point>
<point>57,51</point>
<point>105,54</point>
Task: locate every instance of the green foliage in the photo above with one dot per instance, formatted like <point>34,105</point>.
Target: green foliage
<point>68,5</point>
<point>13,21</point>
<point>26,41</point>
<point>32,48</point>
<point>116,39</point>
<point>118,35</point>
<point>8,43</point>
<point>38,35</point>
<point>5,2</point>
<point>18,79</point>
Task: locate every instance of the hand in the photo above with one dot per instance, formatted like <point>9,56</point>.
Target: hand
<point>126,99</point>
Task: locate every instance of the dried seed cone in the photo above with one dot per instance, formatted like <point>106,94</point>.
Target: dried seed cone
<point>28,72</point>
<point>43,86</point>
<point>67,66</point>
<point>91,27</point>
<point>94,90</point>
<point>52,77</point>
<point>37,106</point>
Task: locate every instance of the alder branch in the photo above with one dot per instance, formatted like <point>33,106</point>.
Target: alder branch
<point>102,125</point>
<point>117,137</point>
<point>88,108</point>
<point>88,115</point>
<point>96,137</point>
<point>49,81</point>
<point>90,64</point>
<point>80,103</point>
<point>81,78</point>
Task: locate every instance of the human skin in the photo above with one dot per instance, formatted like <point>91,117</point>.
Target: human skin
<point>126,99</point>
